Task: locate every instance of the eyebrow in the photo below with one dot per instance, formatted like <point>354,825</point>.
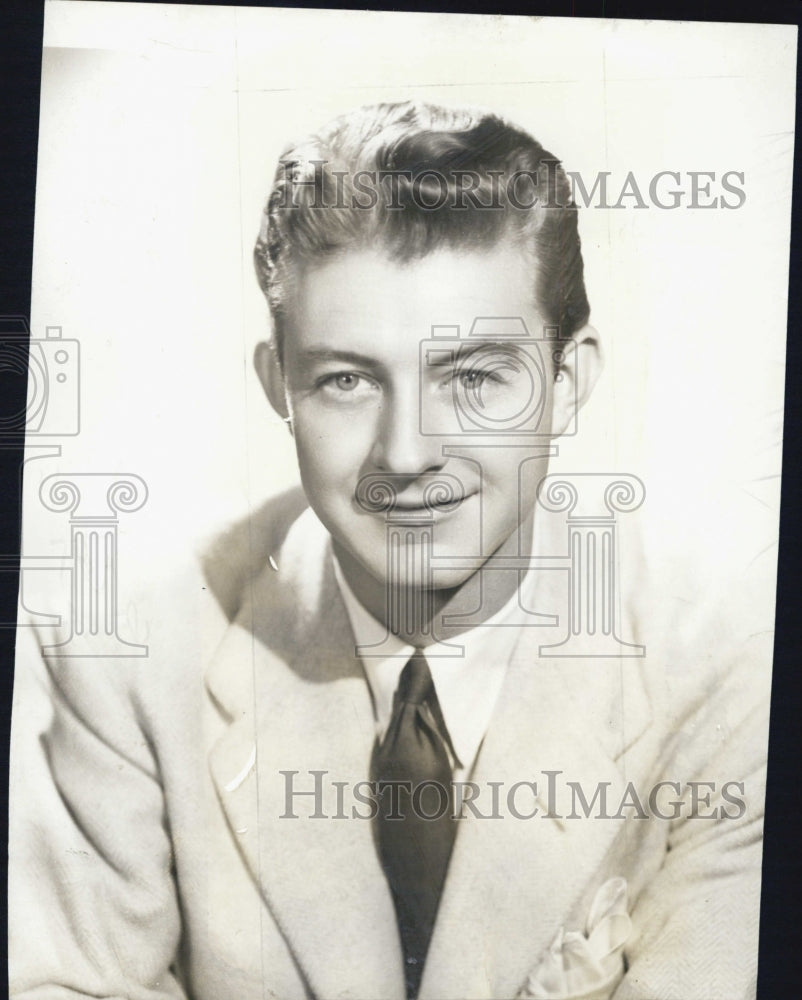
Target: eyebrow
<point>468,348</point>
<point>346,357</point>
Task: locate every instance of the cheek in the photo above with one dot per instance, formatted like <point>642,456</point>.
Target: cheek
<point>510,486</point>
<point>328,455</point>
<point>547,419</point>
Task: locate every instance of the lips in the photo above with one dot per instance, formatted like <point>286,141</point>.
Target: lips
<point>410,508</point>
<point>431,507</point>
<point>393,495</point>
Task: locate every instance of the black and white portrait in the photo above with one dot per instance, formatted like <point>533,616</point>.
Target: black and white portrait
<point>401,506</point>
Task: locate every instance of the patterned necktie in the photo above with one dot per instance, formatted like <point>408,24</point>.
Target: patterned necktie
<point>415,824</point>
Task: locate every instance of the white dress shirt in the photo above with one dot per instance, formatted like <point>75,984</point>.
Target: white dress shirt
<point>467,685</point>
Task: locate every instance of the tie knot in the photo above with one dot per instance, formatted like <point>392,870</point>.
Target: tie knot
<point>415,684</point>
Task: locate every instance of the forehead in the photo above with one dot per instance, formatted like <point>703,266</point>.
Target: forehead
<point>366,301</point>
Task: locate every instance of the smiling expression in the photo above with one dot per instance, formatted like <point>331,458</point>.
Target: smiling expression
<point>372,397</point>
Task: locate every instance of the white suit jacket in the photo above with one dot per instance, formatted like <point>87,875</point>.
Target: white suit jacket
<point>150,857</point>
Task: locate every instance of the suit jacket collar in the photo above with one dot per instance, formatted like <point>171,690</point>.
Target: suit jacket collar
<point>286,672</point>
<point>514,881</point>
<point>298,702</point>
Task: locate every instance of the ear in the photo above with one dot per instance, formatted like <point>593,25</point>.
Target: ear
<point>266,363</point>
<point>575,377</point>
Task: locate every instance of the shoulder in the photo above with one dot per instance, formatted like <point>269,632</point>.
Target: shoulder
<point>173,613</point>
<point>707,667</point>
<point>237,556</point>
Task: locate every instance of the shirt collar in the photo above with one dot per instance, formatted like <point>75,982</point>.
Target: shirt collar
<point>467,684</point>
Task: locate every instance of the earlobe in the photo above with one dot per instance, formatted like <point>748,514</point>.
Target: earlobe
<point>266,363</point>
<point>576,376</point>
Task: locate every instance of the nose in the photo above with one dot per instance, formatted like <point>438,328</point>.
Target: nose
<point>399,446</point>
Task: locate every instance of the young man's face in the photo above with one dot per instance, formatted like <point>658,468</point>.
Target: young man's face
<point>362,402</point>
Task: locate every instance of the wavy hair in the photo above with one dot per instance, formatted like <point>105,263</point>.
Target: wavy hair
<point>330,195</point>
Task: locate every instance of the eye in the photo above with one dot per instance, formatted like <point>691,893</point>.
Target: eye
<point>473,378</point>
<point>497,373</point>
<point>345,381</point>
<point>346,386</point>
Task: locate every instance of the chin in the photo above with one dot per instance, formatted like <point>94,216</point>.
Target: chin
<point>449,581</point>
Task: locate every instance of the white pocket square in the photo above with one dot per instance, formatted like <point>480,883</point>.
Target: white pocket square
<point>586,966</point>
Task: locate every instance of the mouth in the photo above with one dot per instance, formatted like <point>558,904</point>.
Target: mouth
<point>423,498</point>
<point>414,509</point>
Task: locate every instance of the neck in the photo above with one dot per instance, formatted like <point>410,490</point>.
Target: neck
<point>481,596</point>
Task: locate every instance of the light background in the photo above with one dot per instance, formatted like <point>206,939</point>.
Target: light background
<point>160,128</point>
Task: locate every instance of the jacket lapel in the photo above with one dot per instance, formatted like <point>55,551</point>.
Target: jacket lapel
<point>294,699</point>
<point>513,882</point>
<point>297,702</point>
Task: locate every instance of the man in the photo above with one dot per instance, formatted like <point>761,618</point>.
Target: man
<point>350,766</point>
